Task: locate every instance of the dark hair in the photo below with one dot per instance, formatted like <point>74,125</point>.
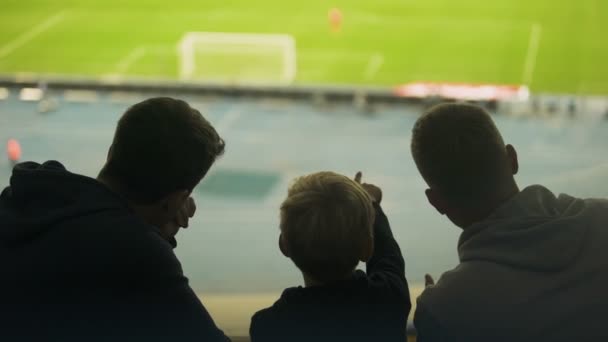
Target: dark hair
<point>459,151</point>
<point>161,145</point>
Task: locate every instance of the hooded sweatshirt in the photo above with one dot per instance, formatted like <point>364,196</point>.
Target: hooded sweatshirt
<point>77,264</point>
<point>366,307</point>
<point>534,270</point>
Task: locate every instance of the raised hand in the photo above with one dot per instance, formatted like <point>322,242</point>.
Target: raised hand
<point>374,191</point>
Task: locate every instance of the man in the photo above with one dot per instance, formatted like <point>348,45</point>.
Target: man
<point>92,259</point>
<point>532,265</point>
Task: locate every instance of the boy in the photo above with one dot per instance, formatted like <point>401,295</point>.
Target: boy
<point>328,224</point>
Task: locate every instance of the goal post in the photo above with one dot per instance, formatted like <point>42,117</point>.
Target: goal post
<point>237,57</point>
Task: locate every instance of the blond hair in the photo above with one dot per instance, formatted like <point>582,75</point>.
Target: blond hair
<point>326,223</point>
<point>459,151</point>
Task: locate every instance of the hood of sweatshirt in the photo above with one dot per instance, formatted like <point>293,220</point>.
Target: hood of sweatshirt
<point>41,196</point>
<point>534,230</point>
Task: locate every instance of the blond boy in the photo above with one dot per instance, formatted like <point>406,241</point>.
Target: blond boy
<point>329,223</point>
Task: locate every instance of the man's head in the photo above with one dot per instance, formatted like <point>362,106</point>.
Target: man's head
<point>326,226</point>
<point>463,159</point>
<point>161,150</point>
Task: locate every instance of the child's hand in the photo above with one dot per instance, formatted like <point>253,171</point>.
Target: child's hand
<point>374,191</point>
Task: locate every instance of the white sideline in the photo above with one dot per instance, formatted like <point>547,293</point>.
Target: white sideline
<point>530,63</point>
<point>124,64</point>
<point>375,63</point>
<point>31,34</point>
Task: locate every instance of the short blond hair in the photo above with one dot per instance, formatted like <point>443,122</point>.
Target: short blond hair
<point>326,223</point>
<point>459,151</point>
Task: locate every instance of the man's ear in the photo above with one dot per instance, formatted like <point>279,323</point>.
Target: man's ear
<point>283,246</point>
<point>436,200</point>
<point>512,155</point>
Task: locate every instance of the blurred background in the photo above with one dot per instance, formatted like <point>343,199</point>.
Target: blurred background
<point>302,86</point>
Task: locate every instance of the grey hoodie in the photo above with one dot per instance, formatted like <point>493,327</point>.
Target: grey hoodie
<point>534,270</point>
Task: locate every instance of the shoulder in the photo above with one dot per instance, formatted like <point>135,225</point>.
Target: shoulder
<point>260,320</point>
<point>467,287</point>
<point>266,322</point>
<point>281,307</point>
<point>125,244</point>
<point>455,288</point>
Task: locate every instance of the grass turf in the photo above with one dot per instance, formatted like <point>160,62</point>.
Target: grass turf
<point>431,40</point>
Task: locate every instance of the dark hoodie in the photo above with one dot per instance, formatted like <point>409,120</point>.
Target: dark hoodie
<point>77,264</point>
<point>368,307</point>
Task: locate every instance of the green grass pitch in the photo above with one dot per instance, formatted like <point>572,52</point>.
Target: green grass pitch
<point>558,46</point>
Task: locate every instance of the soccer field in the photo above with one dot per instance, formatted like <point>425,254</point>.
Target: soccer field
<point>551,45</point>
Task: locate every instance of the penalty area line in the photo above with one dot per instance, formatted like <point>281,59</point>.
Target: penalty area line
<point>27,36</point>
<point>124,64</point>
<point>531,54</point>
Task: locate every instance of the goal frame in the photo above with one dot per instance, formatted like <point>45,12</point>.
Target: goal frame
<point>187,53</point>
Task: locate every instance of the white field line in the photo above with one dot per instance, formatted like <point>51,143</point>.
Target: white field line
<point>24,38</point>
<point>374,64</point>
<point>135,55</point>
<point>530,63</point>
<point>125,63</point>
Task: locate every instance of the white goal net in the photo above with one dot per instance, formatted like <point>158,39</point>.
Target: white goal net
<point>237,57</point>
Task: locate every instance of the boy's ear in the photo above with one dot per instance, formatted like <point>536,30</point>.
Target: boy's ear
<point>436,200</point>
<point>283,246</point>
